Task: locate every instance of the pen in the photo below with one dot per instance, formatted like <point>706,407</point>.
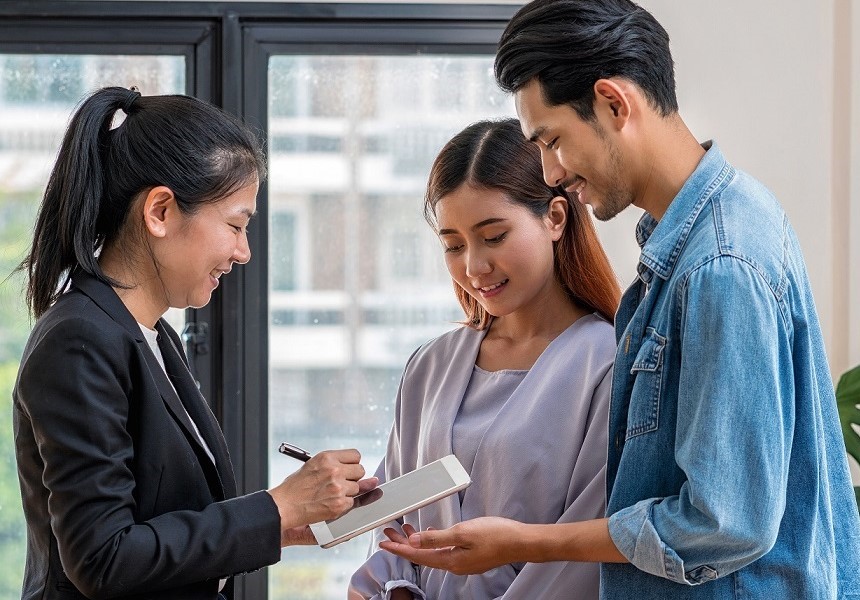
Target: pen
<point>294,451</point>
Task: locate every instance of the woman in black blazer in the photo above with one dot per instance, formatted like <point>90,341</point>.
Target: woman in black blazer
<point>127,486</point>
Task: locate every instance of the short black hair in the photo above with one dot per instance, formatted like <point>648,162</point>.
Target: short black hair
<point>569,44</point>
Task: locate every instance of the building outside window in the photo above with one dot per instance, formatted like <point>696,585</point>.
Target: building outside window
<point>349,156</point>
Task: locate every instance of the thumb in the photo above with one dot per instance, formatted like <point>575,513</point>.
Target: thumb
<point>365,485</point>
<point>432,538</point>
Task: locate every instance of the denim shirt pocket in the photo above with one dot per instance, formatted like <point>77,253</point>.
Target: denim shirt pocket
<point>647,370</point>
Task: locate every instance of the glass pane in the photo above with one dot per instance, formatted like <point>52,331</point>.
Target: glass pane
<point>37,96</point>
<point>357,279</point>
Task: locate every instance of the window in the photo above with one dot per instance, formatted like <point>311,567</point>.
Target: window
<point>376,286</point>
<point>38,95</point>
<point>284,250</point>
<point>347,278</point>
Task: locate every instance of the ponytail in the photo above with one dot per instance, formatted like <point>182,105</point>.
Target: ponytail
<point>65,235</point>
<point>199,152</point>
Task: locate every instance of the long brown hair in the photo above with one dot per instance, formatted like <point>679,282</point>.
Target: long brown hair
<point>495,155</point>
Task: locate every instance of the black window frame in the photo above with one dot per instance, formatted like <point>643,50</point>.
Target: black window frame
<point>227,46</point>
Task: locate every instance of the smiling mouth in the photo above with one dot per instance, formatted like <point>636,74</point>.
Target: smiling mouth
<point>495,286</point>
<point>575,186</point>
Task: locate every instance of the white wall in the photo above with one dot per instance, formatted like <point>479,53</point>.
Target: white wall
<point>853,198</point>
<point>758,77</point>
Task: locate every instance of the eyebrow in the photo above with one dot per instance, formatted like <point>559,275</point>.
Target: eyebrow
<point>537,133</point>
<point>474,227</point>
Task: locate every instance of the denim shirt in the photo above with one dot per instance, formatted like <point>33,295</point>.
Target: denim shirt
<point>727,474</point>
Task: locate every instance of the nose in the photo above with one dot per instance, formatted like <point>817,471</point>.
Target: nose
<point>242,253</point>
<point>553,172</point>
<point>477,263</point>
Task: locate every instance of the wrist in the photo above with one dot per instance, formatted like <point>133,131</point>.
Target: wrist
<point>533,543</point>
<point>553,542</point>
<point>581,541</point>
<point>286,511</point>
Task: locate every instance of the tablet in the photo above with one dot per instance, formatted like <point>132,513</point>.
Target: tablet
<point>394,499</point>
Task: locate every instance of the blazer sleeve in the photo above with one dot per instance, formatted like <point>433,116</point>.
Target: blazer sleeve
<point>75,387</point>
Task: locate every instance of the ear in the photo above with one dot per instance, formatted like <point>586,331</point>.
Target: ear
<point>612,100</point>
<point>159,209</point>
<point>556,217</point>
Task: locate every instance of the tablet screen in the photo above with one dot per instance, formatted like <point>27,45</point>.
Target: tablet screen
<point>389,500</point>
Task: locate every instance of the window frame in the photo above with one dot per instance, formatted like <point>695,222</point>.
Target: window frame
<point>227,46</point>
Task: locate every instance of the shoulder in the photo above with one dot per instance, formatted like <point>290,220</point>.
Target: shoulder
<point>587,347</point>
<point>445,346</point>
<point>596,334</point>
<point>76,355</point>
<point>76,326</point>
<point>744,227</point>
<point>592,335</point>
<point>748,216</point>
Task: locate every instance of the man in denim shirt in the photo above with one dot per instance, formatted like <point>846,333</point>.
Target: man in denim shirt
<point>727,474</point>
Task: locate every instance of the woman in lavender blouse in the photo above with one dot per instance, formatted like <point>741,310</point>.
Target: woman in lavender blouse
<point>520,392</point>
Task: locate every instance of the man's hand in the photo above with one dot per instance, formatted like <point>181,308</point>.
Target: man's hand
<point>466,548</point>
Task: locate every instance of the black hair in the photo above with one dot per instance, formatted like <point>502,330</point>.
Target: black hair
<point>494,155</point>
<point>569,44</point>
<point>197,150</point>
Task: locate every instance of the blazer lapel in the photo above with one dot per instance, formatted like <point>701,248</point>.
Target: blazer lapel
<point>106,298</point>
<point>221,472</point>
<point>196,407</point>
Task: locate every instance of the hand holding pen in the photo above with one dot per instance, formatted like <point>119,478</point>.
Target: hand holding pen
<point>322,489</point>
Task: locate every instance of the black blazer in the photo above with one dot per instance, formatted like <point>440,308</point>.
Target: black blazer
<point>120,498</point>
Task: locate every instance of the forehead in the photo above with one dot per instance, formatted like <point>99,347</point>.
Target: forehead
<point>530,106</point>
<point>469,205</point>
<point>241,202</point>
<point>536,116</point>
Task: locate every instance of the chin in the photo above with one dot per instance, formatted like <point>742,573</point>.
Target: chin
<point>494,312</point>
<point>200,301</point>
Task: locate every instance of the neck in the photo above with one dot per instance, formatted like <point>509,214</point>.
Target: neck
<point>670,154</point>
<point>140,288</point>
<point>545,318</point>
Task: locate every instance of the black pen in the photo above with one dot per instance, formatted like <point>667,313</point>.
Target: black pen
<point>294,451</point>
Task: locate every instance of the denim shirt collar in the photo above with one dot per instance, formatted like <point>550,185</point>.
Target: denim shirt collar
<point>662,241</point>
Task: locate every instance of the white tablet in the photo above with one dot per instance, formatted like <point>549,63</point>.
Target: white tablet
<point>394,499</point>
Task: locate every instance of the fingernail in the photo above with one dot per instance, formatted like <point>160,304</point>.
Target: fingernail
<point>415,540</point>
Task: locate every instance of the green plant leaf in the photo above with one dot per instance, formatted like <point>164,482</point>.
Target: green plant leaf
<point>847,399</point>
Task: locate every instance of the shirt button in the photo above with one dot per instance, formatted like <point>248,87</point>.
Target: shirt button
<point>619,439</point>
